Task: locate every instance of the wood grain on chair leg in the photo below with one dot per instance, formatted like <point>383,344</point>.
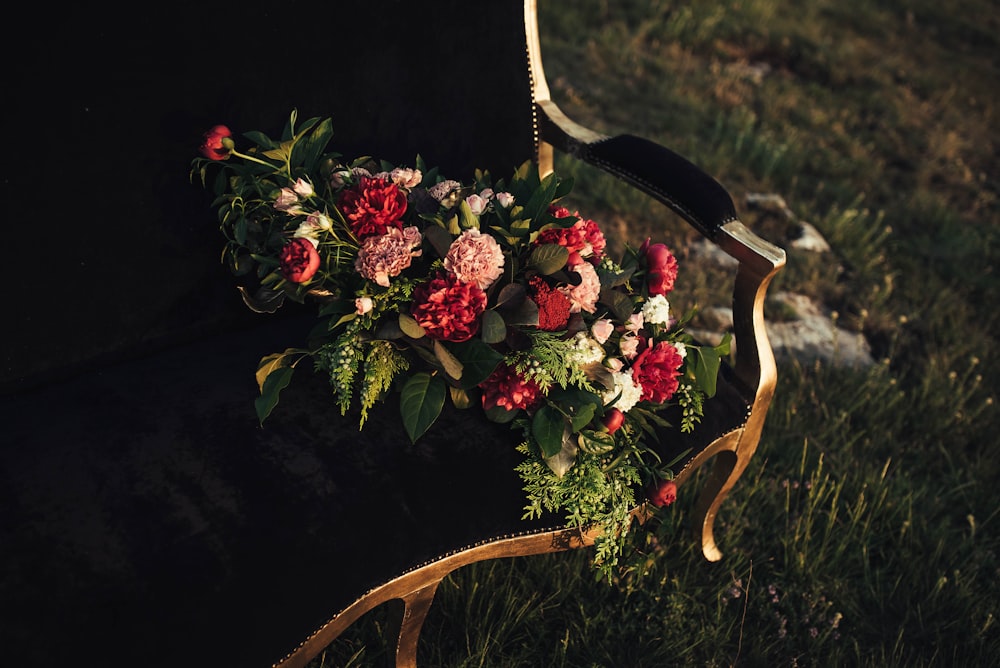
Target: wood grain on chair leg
<point>416,605</point>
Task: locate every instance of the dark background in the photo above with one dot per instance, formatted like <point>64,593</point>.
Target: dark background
<point>110,251</point>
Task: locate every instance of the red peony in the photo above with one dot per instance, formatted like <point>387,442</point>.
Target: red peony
<point>655,370</point>
<point>299,260</point>
<point>661,269</point>
<point>553,305</point>
<point>505,387</point>
<point>584,237</point>
<point>447,308</point>
<point>372,206</point>
<point>214,147</point>
<point>663,494</point>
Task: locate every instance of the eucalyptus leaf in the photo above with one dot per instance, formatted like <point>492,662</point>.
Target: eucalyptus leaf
<point>561,461</point>
<point>409,326</point>
<point>493,329</point>
<point>448,361</point>
<point>420,403</point>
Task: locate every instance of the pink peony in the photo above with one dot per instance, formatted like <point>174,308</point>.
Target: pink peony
<point>663,494</point>
<point>217,143</point>
<point>505,387</point>
<point>656,370</point>
<point>299,260</point>
<point>448,309</point>
<point>475,258</point>
<point>381,257</point>
<point>583,297</point>
<point>372,206</point>
<point>661,269</point>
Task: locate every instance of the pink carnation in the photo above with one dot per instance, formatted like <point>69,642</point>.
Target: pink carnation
<point>448,309</point>
<point>583,296</point>
<point>507,388</point>
<point>475,258</point>
<point>387,255</point>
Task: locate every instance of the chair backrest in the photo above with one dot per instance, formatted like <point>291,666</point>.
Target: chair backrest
<point>116,252</point>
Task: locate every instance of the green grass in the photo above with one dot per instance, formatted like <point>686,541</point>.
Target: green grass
<point>865,531</point>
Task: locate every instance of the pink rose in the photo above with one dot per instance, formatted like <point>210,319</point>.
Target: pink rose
<point>363,305</point>
<point>299,260</point>
<point>602,329</point>
<point>217,143</point>
<point>447,308</point>
<point>656,370</point>
<point>475,258</point>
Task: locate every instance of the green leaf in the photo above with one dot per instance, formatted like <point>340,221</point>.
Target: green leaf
<point>420,403</point>
<point>264,300</point>
<point>467,219</point>
<point>478,361</point>
<point>275,382</point>
<point>548,427</point>
<point>439,239</point>
<point>582,416</point>
<point>548,258</point>
<point>492,328</point>
<point>706,368</point>
<point>459,397</point>
<point>619,303</point>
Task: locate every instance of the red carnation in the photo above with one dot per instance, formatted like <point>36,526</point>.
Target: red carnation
<point>299,260</point>
<point>507,388</point>
<point>656,370</point>
<point>663,494</point>
<point>372,206</point>
<point>214,146</point>
<point>447,308</point>
<point>661,269</point>
<point>553,305</point>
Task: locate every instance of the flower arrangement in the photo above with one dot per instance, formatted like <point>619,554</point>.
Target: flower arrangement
<point>491,295</point>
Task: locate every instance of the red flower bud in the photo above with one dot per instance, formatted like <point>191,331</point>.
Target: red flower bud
<point>299,260</point>
<point>215,146</point>
<point>663,494</point>
<point>613,420</point>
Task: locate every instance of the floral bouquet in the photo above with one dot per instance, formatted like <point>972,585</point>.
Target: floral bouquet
<point>487,294</point>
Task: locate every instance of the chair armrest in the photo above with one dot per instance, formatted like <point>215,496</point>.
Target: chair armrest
<point>706,205</point>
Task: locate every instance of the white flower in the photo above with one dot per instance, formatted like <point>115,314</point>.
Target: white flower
<point>657,310</point>
<point>363,305</point>
<point>629,390</point>
<point>585,350</point>
<point>681,349</point>
<point>406,177</point>
<point>311,227</point>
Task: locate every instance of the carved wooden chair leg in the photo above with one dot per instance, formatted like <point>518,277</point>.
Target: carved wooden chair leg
<point>415,608</point>
<point>727,467</point>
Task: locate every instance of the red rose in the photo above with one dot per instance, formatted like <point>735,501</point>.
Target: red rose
<point>613,420</point>
<point>661,269</point>
<point>553,305</point>
<point>505,387</point>
<point>447,308</point>
<point>663,494</point>
<point>372,206</point>
<point>656,370</point>
<point>214,146</point>
<point>299,260</point>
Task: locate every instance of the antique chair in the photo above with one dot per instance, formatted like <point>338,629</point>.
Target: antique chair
<point>147,518</point>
